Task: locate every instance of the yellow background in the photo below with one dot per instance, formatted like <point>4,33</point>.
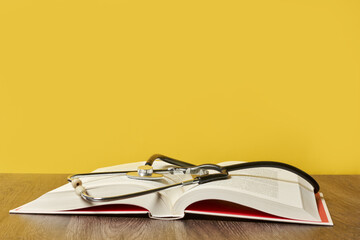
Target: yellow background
<point>87,84</point>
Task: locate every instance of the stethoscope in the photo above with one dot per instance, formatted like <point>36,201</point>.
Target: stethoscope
<point>200,175</point>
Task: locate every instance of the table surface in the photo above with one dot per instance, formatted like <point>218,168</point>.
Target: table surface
<point>341,192</point>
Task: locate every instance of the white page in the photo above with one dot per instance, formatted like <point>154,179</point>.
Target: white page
<point>270,190</point>
<point>64,198</point>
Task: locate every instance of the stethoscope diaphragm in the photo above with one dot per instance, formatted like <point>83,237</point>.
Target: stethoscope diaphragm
<point>144,173</point>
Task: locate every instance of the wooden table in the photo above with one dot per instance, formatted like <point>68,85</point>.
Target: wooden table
<point>342,195</point>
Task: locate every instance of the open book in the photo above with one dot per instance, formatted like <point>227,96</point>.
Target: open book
<point>260,193</point>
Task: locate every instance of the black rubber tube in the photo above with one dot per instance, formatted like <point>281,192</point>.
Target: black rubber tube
<point>170,160</point>
<point>272,164</point>
<point>242,166</point>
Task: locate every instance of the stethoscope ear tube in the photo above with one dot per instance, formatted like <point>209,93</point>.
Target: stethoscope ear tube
<point>170,160</point>
<point>272,164</point>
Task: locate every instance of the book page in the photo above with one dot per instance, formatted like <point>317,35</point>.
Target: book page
<point>64,198</point>
<point>270,190</point>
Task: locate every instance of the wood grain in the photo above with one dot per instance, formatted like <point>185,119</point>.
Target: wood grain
<point>342,195</point>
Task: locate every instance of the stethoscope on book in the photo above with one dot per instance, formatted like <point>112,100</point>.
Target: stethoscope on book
<point>200,175</point>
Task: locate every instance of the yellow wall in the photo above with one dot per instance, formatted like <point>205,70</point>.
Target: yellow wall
<point>87,84</point>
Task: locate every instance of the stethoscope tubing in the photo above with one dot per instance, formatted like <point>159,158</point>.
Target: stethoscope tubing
<point>246,165</point>
<point>183,167</point>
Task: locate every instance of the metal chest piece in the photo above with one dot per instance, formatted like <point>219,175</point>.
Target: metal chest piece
<point>144,173</point>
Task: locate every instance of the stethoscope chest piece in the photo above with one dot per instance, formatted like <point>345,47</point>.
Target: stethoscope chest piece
<point>144,173</point>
